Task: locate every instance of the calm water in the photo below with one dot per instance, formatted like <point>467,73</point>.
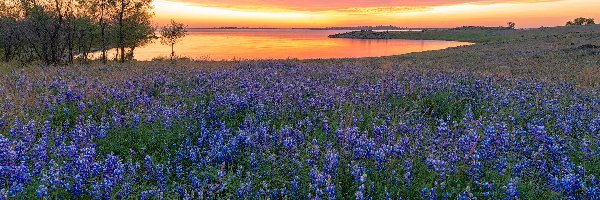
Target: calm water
<point>283,43</point>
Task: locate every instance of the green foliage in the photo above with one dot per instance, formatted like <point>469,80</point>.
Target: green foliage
<point>138,30</point>
<point>61,31</point>
<point>581,21</point>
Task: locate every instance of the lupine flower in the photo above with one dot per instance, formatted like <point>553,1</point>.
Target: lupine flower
<point>428,193</point>
<point>511,189</point>
<point>41,192</point>
<point>283,129</point>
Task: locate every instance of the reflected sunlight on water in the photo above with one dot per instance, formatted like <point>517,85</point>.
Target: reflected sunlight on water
<point>220,44</point>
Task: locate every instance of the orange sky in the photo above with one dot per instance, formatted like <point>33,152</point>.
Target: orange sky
<point>404,13</point>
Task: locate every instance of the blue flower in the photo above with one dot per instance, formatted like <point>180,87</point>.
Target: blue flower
<point>42,191</point>
<point>511,189</point>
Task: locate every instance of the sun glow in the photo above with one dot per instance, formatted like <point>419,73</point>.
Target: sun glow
<point>234,17</point>
<point>187,9</point>
<point>524,13</point>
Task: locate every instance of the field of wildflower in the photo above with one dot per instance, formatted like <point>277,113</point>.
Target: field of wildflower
<point>324,129</point>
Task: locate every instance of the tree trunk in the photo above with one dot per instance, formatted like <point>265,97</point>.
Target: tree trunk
<point>102,35</point>
<point>72,30</point>
<point>71,41</point>
<point>56,52</point>
<point>131,54</point>
<point>172,51</point>
<point>7,54</point>
<point>103,41</point>
<point>88,48</point>
<point>121,33</point>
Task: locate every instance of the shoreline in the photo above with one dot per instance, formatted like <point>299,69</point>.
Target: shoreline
<point>467,34</point>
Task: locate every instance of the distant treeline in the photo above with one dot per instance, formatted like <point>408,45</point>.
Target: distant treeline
<point>390,27</point>
<point>62,31</point>
<point>490,28</point>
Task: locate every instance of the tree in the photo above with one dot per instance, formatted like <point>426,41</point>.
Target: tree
<point>103,9</point>
<point>590,21</point>
<point>581,21</point>
<point>171,34</point>
<point>132,12</point>
<point>138,34</point>
<point>139,31</point>
<point>511,25</point>
<point>61,31</point>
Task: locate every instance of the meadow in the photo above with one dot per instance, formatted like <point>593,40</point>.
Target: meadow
<point>504,119</point>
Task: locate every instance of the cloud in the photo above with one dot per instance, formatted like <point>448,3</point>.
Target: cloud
<point>345,5</point>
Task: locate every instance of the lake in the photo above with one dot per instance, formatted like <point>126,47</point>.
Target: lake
<point>228,44</point>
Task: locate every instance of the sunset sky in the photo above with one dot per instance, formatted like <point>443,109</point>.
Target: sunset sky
<point>404,13</point>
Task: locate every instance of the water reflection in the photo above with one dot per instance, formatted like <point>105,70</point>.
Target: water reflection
<point>217,44</point>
